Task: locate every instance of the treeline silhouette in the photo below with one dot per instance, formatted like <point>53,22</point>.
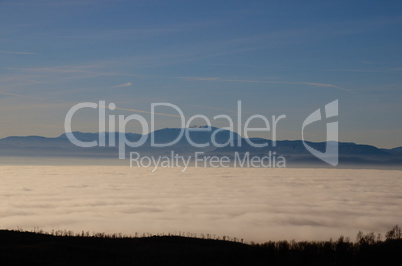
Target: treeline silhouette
<point>19,247</point>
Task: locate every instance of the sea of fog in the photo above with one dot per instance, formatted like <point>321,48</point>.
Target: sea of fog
<point>253,204</point>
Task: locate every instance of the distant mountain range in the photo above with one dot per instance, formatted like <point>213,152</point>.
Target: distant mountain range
<point>293,150</point>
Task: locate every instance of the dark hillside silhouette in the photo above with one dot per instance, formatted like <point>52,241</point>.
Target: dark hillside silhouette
<point>65,248</point>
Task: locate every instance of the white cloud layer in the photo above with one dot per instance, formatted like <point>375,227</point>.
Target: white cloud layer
<point>254,204</point>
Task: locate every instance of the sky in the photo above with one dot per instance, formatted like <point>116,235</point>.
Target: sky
<point>276,57</point>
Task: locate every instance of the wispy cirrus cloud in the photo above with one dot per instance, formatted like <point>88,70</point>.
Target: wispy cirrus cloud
<point>70,70</point>
<point>358,70</point>
<point>166,114</point>
<point>314,84</point>
<point>128,84</point>
<point>381,70</point>
<point>17,52</point>
<point>199,78</point>
<point>124,85</point>
<point>142,111</point>
<point>18,95</point>
<point>212,108</point>
<point>23,77</point>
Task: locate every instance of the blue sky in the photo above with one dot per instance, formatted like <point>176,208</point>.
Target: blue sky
<point>277,57</point>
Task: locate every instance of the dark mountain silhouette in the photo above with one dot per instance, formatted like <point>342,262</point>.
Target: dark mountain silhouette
<point>293,150</point>
<point>396,151</point>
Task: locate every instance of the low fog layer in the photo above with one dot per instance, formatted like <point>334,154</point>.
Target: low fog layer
<point>254,204</point>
